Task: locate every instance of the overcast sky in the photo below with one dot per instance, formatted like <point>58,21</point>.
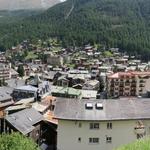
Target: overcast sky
<point>26,4</point>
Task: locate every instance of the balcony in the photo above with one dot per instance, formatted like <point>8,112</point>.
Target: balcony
<point>141,85</point>
<point>127,84</point>
<point>140,130</point>
<point>133,85</point>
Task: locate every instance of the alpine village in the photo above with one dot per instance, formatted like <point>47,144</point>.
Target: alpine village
<point>75,75</point>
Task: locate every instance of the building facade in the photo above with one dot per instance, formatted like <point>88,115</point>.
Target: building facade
<point>55,60</point>
<point>127,83</point>
<point>100,125</point>
<point>4,72</point>
<point>98,135</point>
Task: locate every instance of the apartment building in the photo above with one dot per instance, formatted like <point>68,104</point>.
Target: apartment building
<point>100,125</point>
<point>4,71</point>
<point>127,83</point>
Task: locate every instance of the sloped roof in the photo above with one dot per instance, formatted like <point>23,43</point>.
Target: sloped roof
<point>27,88</point>
<point>24,120</point>
<point>5,98</point>
<point>112,110</point>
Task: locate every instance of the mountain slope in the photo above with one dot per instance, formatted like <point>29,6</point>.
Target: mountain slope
<point>26,4</point>
<point>115,23</point>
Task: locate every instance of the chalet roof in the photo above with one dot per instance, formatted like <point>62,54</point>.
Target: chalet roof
<point>24,120</point>
<point>13,72</point>
<point>5,93</point>
<point>49,75</point>
<point>86,94</point>
<point>39,107</point>
<point>91,83</point>
<point>64,90</point>
<point>63,77</point>
<point>15,82</point>
<point>112,110</point>
<point>16,107</point>
<point>25,101</point>
<point>27,88</point>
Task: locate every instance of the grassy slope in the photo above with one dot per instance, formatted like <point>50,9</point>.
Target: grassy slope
<point>138,145</point>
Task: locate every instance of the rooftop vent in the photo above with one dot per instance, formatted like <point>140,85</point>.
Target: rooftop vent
<point>99,106</point>
<point>29,119</point>
<point>89,106</point>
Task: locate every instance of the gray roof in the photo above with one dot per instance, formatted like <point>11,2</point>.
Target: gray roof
<point>5,93</point>
<point>24,120</point>
<point>112,110</point>
<point>49,75</point>
<point>27,88</point>
<point>15,82</point>
<point>13,72</point>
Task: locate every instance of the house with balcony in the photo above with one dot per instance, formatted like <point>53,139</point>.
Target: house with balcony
<point>28,91</point>
<point>99,124</point>
<point>127,83</point>
<point>4,72</point>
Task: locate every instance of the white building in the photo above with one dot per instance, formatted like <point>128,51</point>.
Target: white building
<point>101,125</point>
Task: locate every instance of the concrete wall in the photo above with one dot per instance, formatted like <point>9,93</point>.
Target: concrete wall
<point>122,132</point>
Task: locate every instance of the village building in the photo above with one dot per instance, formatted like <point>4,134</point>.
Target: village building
<point>66,92</point>
<point>28,122</point>
<point>98,124</point>
<point>4,72</point>
<point>13,74</point>
<point>91,85</point>
<point>37,61</point>
<point>28,91</point>
<point>5,101</point>
<point>2,58</point>
<point>127,83</point>
<point>55,60</point>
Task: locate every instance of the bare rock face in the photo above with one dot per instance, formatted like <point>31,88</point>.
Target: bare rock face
<point>27,4</point>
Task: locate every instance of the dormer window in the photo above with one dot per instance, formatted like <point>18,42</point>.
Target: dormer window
<point>99,106</point>
<point>89,106</point>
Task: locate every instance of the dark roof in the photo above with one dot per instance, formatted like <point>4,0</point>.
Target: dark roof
<point>112,109</point>
<point>24,120</point>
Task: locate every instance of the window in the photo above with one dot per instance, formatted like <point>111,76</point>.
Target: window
<point>79,139</point>
<point>94,125</point>
<point>109,125</point>
<point>108,139</point>
<point>116,93</point>
<point>94,140</point>
<point>80,124</point>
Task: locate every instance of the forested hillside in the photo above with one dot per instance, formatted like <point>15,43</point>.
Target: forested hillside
<point>115,23</point>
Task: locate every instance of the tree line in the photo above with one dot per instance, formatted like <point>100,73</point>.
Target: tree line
<point>113,23</point>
